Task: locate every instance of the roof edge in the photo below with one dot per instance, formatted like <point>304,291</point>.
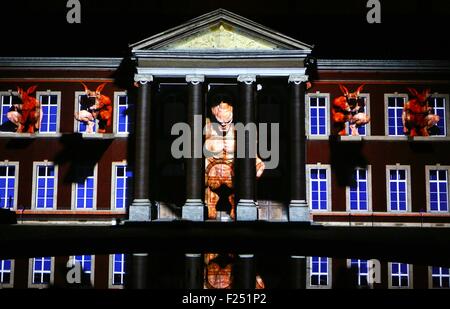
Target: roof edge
<point>60,62</point>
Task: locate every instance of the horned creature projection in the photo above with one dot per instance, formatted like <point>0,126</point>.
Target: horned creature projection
<point>27,114</point>
<point>418,116</point>
<point>349,108</point>
<point>100,108</point>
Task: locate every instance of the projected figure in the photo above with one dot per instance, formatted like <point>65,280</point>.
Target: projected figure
<point>418,116</point>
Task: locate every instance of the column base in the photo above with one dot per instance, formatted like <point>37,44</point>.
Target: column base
<point>246,210</point>
<point>193,210</point>
<point>299,211</point>
<point>140,210</point>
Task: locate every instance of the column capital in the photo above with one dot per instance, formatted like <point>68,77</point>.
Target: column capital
<point>143,78</point>
<point>195,79</point>
<point>247,78</point>
<point>298,78</point>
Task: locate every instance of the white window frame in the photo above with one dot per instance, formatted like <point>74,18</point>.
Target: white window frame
<point>74,193</point>
<point>309,273</point>
<point>327,167</point>
<point>16,182</point>
<point>447,113</point>
<point>113,184</point>
<point>31,275</point>
<point>6,93</point>
<point>35,182</point>
<point>349,265</point>
<point>386,116</point>
<point>427,185</point>
<point>111,273</point>
<point>58,112</point>
<point>367,112</point>
<point>11,276</point>
<point>408,187</point>
<point>117,94</point>
<point>410,276</point>
<point>92,274</point>
<point>369,192</point>
<point>317,94</point>
<point>430,278</point>
<point>76,122</point>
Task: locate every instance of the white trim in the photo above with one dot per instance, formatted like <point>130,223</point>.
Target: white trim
<point>366,96</point>
<point>55,186</point>
<point>92,274</point>
<point>116,112</point>
<point>111,272</point>
<point>408,187</point>
<point>11,276</point>
<point>16,182</point>
<point>410,276</point>
<point>74,193</point>
<point>31,274</point>
<point>6,93</point>
<point>309,271</point>
<point>427,185</point>
<point>430,278</point>
<point>447,113</point>
<point>76,109</point>
<point>220,72</point>
<point>369,192</point>
<point>358,285</point>
<point>308,96</point>
<point>327,167</point>
<point>58,111</point>
<point>386,116</point>
<point>114,165</point>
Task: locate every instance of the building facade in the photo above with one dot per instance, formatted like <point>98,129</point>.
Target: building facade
<point>62,174</point>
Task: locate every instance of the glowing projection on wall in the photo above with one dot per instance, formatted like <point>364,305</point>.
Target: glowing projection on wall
<point>418,117</point>
<point>23,111</point>
<point>94,106</point>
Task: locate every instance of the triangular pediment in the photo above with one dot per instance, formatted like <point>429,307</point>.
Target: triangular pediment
<point>220,31</point>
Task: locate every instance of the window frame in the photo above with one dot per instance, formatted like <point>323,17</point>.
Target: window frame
<point>369,193</point>
<point>16,182</point>
<point>92,274</point>
<point>58,112</point>
<point>410,277</point>
<point>11,276</point>
<point>428,168</point>
<point>94,201</point>
<point>114,165</point>
<point>117,94</point>
<point>358,285</point>
<point>386,113</point>
<point>111,272</point>
<point>367,112</point>
<point>309,273</point>
<point>76,123</point>
<point>31,274</point>
<point>34,189</point>
<point>430,279</point>
<point>308,97</point>
<point>327,168</point>
<point>447,113</point>
<point>408,187</point>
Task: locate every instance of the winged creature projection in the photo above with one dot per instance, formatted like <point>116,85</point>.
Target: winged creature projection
<point>349,107</point>
<point>26,115</point>
<point>97,107</point>
<point>418,116</point>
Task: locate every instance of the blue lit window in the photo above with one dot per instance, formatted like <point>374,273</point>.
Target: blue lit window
<point>318,115</point>
<point>85,262</point>
<point>438,190</point>
<point>440,277</point>
<point>319,271</point>
<point>42,270</point>
<point>49,109</point>
<point>123,124</point>
<point>82,127</point>
<point>399,275</point>
<point>45,190</point>
<point>85,188</point>
<point>5,272</point>
<point>7,186</point>
<point>123,178</point>
<point>362,266</point>
<point>318,189</point>
<point>359,191</point>
<point>118,269</point>
<point>5,105</point>
<point>438,105</point>
<point>398,190</point>
<point>395,110</point>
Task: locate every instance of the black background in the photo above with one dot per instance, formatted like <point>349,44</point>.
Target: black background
<point>410,29</point>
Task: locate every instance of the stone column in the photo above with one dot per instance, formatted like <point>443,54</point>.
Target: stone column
<point>139,271</point>
<point>194,269</point>
<point>194,207</point>
<point>245,166</point>
<point>298,272</point>
<point>140,209</point>
<point>245,275</point>
<point>298,206</point>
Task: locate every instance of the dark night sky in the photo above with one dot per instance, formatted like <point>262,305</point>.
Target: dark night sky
<point>414,29</point>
